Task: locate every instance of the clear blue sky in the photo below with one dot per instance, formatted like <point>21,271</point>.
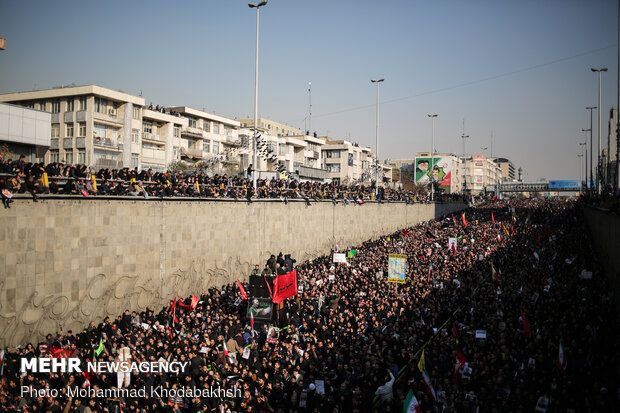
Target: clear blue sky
<point>519,69</point>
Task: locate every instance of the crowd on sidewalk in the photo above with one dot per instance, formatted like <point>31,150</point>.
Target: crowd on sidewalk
<point>514,316</point>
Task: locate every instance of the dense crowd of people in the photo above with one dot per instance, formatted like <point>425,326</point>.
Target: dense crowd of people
<point>491,312</point>
<point>57,178</point>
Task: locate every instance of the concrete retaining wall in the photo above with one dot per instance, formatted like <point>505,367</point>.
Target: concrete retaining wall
<point>65,262</point>
<point>605,233</point>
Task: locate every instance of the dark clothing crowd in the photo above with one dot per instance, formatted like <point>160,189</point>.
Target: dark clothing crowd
<point>57,178</point>
<point>514,316</point>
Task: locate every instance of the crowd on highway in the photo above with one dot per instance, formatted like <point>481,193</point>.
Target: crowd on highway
<point>57,178</point>
<point>516,316</point>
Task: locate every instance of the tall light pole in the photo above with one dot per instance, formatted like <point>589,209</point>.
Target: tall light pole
<point>585,137</point>
<point>255,158</point>
<point>309,108</point>
<point>378,81</point>
<point>432,154</point>
<point>583,157</point>
<point>591,108</point>
<point>600,150</point>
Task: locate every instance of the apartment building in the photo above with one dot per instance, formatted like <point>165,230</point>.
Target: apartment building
<point>507,169</point>
<point>300,156</point>
<point>478,172</point>
<point>270,127</point>
<point>25,131</point>
<point>104,128</point>
<point>347,162</point>
<point>442,168</point>
<point>206,139</point>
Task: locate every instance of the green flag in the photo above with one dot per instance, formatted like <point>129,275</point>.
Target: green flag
<point>100,348</point>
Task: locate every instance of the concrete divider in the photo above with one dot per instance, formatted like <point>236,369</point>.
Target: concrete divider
<point>605,233</point>
<point>67,261</point>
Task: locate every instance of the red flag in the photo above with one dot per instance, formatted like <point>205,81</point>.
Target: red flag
<point>60,353</point>
<point>484,233</point>
<point>404,232</point>
<point>493,218</point>
<point>512,230</point>
<point>464,220</point>
<point>284,286</point>
<point>242,290</point>
<point>191,306</point>
<point>526,325</point>
<point>174,306</point>
<point>453,249</point>
<point>460,362</point>
<point>430,272</point>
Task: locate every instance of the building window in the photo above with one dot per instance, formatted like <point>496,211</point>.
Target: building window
<point>216,128</point>
<point>54,156</point>
<point>81,129</point>
<point>333,168</point>
<point>69,157</point>
<point>135,136</point>
<point>332,154</point>
<point>147,127</point>
<point>70,107</point>
<point>101,105</point>
<point>282,149</point>
<point>206,145</point>
<point>42,105</point>
<point>191,123</point>
<point>69,129</point>
<point>206,125</point>
<point>176,131</point>
<point>216,147</point>
<point>55,130</point>
<point>136,112</point>
<point>81,157</point>
<point>82,103</point>
<point>55,105</point>
<point>134,161</point>
<point>175,152</point>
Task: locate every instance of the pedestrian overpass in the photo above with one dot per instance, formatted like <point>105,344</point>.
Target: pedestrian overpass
<point>555,186</point>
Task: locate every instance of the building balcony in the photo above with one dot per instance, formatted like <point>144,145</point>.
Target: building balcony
<point>191,132</point>
<point>68,117</point>
<point>153,137</point>
<point>102,163</point>
<point>81,116</point>
<point>309,172</point>
<point>67,143</point>
<point>111,116</point>
<point>54,144</point>
<point>105,142</point>
<point>80,143</point>
<point>192,153</point>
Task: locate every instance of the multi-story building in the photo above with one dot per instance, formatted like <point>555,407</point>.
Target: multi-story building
<point>478,172</point>
<point>442,168</point>
<point>404,169</point>
<point>105,128</point>
<point>207,139</point>
<point>610,155</point>
<point>271,127</point>
<point>507,169</point>
<point>25,131</point>
<point>299,156</point>
<point>348,162</point>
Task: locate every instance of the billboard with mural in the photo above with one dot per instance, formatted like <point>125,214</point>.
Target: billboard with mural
<point>439,168</point>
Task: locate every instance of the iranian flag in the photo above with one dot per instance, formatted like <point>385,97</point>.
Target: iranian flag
<point>430,272</point>
<point>2,355</point>
<point>251,319</point>
<point>226,352</point>
<point>411,404</point>
<point>174,306</point>
<point>464,220</point>
<point>460,362</point>
<point>494,275</point>
<point>562,357</point>
<point>526,325</point>
<point>425,377</point>
<point>493,218</point>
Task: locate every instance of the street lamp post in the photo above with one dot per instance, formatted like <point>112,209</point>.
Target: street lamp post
<point>377,140</point>
<point>600,151</point>
<point>584,157</point>
<point>255,157</point>
<point>432,154</point>
<point>590,108</point>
